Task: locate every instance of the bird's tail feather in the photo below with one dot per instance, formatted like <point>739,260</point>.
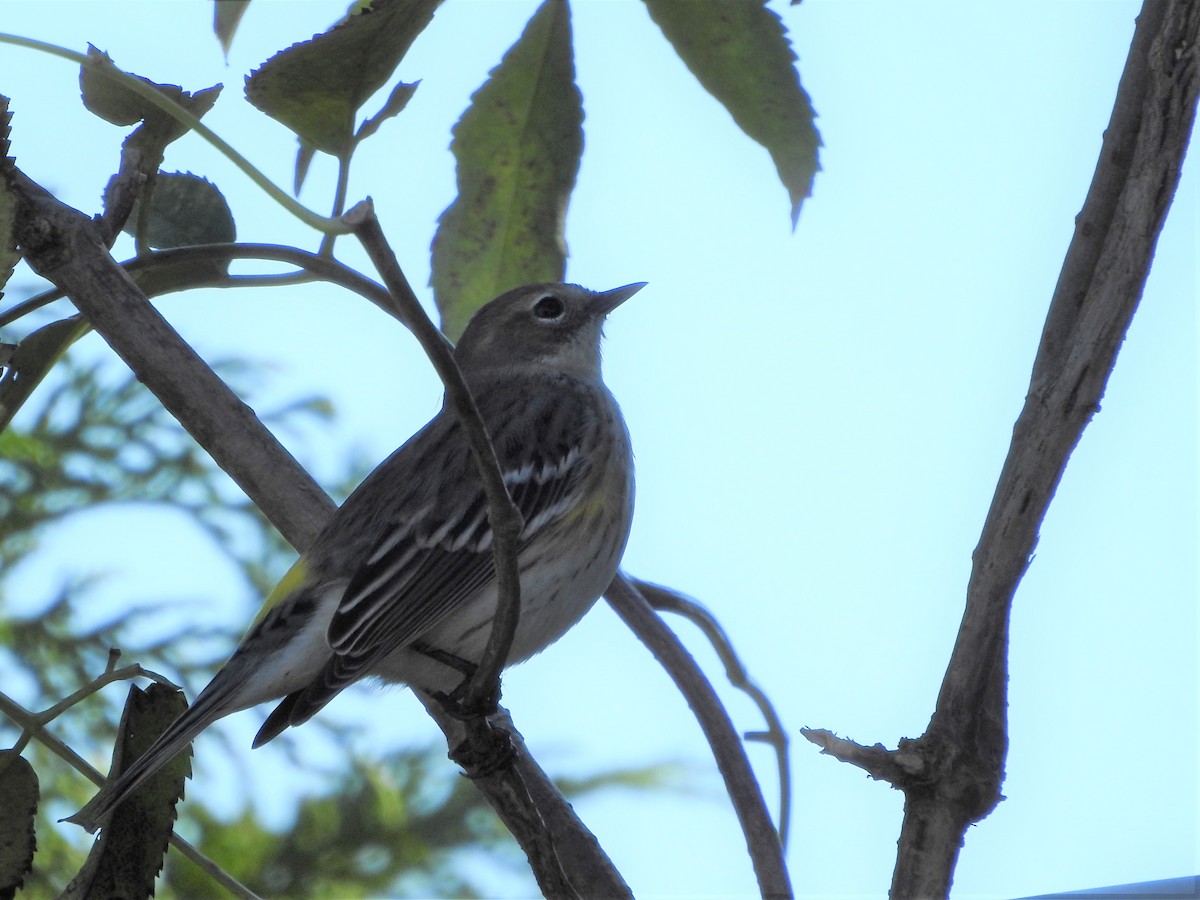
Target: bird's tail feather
<point>212,704</point>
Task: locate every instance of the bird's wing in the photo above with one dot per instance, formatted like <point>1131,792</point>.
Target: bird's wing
<point>420,570</point>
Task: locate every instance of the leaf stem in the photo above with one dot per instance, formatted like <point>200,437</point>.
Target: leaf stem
<point>167,105</point>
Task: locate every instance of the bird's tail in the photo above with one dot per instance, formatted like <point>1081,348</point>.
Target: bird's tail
<point>212,704</point>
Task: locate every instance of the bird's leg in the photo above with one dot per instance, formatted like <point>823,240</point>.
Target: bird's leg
<point>463,666</point>
<point>453,702</point>
<point>487,749</point>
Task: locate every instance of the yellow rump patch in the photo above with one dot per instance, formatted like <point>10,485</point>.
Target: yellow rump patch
<point>295,579</point>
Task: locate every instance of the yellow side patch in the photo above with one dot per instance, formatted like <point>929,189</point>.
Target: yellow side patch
<point>589,509</point>
<point>295,578</point>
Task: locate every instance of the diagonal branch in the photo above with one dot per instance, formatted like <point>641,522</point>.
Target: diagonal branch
<point>762,840</point>
<point>565,857</point>
<point>951,776</point>
<point>664,599</point>
<point>64,246</point>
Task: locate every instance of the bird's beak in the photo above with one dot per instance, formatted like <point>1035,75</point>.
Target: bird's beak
<point>610,300</point>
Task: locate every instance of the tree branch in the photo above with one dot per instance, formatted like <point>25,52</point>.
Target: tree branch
<point>483,690</point>
<point>64,246</point>
<point>762,840</point>
<point>951,776</point>
<point>191,276</point>
<point>663,599</point>
<point>565,857</point>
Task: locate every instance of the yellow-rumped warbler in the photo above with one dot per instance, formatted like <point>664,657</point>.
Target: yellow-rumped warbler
<point>400,584</point>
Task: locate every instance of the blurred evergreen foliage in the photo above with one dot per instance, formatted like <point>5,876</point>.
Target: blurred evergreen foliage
<point>407,825</point>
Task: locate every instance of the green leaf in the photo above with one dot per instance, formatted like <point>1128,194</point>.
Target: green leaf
<point>517,148</point>
<point>396,101</point>
<point>5,126</point>
<point>226,16</point>
<point>105,95</point>
<point>315,88</point>
<point>184,210</point>
<point>32,359</point>
<point>739,51</point>
<point>18,803</point>
<point>127,858</point>
<point>8,205</point>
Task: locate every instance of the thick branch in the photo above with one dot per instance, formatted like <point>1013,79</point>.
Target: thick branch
<point>63,245</point>
<point>951,776</point>
<point>565,857</point>
<point>66,247</point>
<point>1101,283</point>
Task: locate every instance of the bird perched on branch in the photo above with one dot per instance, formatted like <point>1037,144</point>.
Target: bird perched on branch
<point>400,584</point>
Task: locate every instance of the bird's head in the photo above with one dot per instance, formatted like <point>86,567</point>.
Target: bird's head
<point>552,325</point>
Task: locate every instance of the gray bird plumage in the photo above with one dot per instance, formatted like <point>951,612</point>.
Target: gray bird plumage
<point>400,584</point>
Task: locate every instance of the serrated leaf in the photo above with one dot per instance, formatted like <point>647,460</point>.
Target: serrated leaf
<point>739,51</point>
<point>5,126</point>
<point>316,88</point>
<point>18,803</point>
<point>517,149</point>
<point>127,858</point>
<point>226,16</point>
<point>185,210</point>
<point>114,102</point>
<point>32,359</point>
<point>8,205</point>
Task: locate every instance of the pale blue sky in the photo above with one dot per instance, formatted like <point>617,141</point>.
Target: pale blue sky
<point>819,417</point>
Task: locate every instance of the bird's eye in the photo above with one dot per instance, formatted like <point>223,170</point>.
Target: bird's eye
<point>549,308</point>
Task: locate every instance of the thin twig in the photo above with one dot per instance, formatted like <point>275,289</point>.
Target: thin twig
<point>321,267</point>
<point>32,723</point>
<point>877,761</point>
<point>665,599</point>
<point>762,840</point>
<point>110,675</point>
<point>340,191</point>
<point>503,515</point>
<point>64,246</point>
